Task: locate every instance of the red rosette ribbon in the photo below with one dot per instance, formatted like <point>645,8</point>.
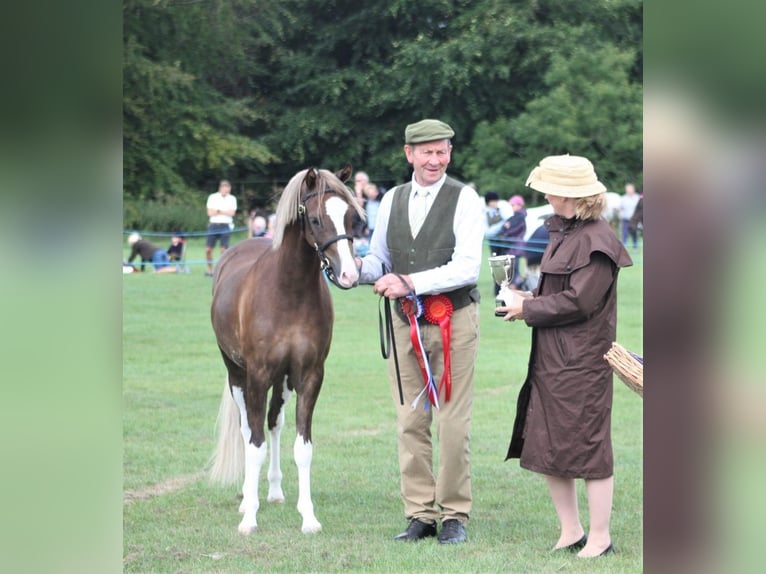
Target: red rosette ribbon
<point>438,310</point>
<point>412,307</point>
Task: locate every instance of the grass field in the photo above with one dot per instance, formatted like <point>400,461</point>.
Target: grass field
<point>175,521</point>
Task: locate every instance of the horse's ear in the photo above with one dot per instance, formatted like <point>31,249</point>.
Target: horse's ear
<point>345,174</point>
<point>311,178</point>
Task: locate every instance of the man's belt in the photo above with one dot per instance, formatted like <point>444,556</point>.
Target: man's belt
<point>435,309</point>
<point>461,297</point>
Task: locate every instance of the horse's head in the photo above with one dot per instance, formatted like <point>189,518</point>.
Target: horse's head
<point>325,208</point>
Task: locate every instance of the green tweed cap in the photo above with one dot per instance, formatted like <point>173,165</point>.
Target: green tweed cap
<point>427,130</point>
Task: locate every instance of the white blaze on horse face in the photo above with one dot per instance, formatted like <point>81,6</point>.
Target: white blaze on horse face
<point>336,210</point>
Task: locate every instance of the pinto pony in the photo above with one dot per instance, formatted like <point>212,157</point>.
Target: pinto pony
<point>272,315</point>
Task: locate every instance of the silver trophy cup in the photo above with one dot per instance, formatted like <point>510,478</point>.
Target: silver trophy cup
<point>501,267</point>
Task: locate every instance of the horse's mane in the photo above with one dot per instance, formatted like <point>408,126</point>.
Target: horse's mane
<point>287,208</point>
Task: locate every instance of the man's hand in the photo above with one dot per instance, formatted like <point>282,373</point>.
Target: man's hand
<point>393,286</point>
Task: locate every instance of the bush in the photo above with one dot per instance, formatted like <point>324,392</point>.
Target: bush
<point>172,214</point>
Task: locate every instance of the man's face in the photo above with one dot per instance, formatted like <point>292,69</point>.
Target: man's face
<point>429,160</point>
<point>224,189</point>
<point>360,180</point>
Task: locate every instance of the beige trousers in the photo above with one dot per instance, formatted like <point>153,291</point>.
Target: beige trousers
<point>446,494</point>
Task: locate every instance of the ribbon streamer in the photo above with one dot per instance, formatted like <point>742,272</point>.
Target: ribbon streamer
<point>413,309</point>
<point>438,310</point>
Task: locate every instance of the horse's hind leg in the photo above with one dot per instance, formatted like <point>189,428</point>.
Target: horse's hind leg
<point>276,422</point>
<point>303,451</point>
<point>255,456</point>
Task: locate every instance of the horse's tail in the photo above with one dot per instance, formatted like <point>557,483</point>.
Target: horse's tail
<point>228,461</point>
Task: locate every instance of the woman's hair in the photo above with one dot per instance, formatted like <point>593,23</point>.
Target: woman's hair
<point>590,207</point>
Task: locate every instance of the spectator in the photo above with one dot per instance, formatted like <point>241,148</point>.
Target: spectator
<point>563,417</point>
<point>358,224</point>
<point>637,221</point>
<point>511,234</point>
<point>532,256</point>
<point>221,207</point>
<point>496,211</point>
<point>149,252</point>
<point>371,205</point>
<point>628,203</point>
<point>360,180</point>
<point>258,226</point>
<point>428,242</point>
<point>271,222</point>
<point>176,248</point>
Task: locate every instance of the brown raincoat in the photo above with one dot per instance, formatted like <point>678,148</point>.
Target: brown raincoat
<point>563,417</point>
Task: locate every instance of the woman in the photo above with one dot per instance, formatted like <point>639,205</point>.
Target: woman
<point>563,419</point>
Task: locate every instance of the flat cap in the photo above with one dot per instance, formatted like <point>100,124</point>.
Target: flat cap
<point>427,130</point>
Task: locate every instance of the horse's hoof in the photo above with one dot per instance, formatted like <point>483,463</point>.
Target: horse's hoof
<point>311,528</point>
<point>247,530</point>
<point>276,499</point>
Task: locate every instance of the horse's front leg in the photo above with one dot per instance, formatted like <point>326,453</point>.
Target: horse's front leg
<point>255,457</point>
<point>303,451</point>
<point>276,424</point>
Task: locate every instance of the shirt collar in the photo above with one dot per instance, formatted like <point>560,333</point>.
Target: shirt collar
<point>418,189</point>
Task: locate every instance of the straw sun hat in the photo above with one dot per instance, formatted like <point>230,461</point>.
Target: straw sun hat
<point>565,176</point>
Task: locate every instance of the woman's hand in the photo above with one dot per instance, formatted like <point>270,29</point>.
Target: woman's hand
<point>514,309</point>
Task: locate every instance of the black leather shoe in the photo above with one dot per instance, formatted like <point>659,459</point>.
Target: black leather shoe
<point>609,550</point>
<point>416,530</point>
<point>575,546</point>
<point>453,532</point>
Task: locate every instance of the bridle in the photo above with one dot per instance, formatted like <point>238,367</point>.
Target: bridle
<point>324,261</point>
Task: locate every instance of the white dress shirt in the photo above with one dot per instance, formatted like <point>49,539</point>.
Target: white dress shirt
<point>468,227</point>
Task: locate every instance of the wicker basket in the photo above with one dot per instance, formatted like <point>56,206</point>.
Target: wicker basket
<point>628,366</point>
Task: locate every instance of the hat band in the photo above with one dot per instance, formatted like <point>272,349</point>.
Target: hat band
<point>564,180</point>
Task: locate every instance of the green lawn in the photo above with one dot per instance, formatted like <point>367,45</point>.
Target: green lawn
<point>175,521</point>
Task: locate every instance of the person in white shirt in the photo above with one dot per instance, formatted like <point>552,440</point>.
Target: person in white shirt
<point>628,203</point>
<point>496,211</point>
<point>221,207</point>
<point>428,244</point>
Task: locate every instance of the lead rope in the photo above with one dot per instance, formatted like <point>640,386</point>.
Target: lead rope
<point>387,340</point>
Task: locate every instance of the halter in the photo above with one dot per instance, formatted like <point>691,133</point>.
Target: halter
<point>324,262</point>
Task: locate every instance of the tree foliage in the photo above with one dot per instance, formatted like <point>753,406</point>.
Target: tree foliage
<point>256,90</point>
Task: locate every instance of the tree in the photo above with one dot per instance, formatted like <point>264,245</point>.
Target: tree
<point>178,129</point>
<point>589,107</point>
<point>258,90</point>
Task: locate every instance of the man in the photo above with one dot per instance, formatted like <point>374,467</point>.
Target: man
<point>360,180</point>
<point>428,242</point>
<point>221,207</point>
<point>511,236</point>
<point>496,212</point>
<point>628,203</point>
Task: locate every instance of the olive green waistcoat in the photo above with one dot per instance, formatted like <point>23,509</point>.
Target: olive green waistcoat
<point>435,243</point>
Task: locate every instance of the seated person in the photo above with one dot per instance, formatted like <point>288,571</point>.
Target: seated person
<point>176,249</point>
<point>149,252</point>
<point>257,226</point>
